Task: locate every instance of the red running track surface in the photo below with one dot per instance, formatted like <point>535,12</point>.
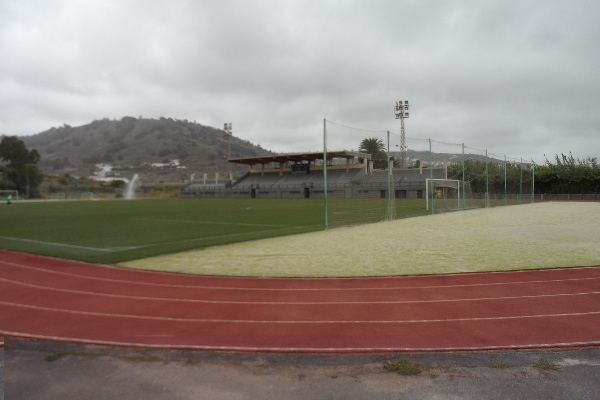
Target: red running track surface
<point>63,300</point>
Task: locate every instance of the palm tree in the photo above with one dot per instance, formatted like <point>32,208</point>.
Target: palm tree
<point>376,149</point>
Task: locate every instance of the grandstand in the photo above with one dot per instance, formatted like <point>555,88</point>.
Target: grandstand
<point>349,175</point>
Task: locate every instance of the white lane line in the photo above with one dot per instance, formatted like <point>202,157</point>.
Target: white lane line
<point>201,301</point>
<point>292,322</point>
<point>107,249</point>
<point>365,349</point>
<point>294,289</point>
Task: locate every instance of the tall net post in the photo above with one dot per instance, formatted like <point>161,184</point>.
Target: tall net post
<point>462,166</point>
<point>487,180</point>
<point>390,168</point>
<point>521,181</point>
<point>358,185</point>
<point>532,181</point>
<point>505,181</point>
<point>431,195</point>
<point>325,196</point>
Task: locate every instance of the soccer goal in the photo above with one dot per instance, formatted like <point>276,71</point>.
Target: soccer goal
<point>444,194</point>
<point>14,194</point>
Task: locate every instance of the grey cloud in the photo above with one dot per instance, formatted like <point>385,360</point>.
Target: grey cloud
<point>518,76</point>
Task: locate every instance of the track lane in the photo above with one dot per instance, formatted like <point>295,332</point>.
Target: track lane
<point>69,281</point>
<point>49,298</point>
<point>151,278</point>
<point>284,311</point>
<point>422,336</point>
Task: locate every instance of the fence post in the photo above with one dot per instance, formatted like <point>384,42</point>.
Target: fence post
<point>325,173</point>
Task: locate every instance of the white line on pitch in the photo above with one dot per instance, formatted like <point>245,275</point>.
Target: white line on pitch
<point>297,289</point>
<point>325,322</point>
<point>108,249</point>
<point>307,303</point>
<point>201,239</point>
<point>205,222</point>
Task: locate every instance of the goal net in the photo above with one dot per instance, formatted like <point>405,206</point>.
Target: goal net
<point>449,195</point>
<point>14,194</point>
<point>443,194</point>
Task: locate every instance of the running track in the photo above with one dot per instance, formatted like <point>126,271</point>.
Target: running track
<point>70,301</point>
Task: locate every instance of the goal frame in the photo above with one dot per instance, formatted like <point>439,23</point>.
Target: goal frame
<point>430,198</point>
<point>5,193</point>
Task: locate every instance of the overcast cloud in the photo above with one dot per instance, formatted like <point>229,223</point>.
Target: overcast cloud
<point>520,78</point>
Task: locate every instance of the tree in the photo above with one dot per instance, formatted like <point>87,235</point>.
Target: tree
<point>21,172</point>
<point>376,149</point>
<point>568,175</point>
<point>13,151</point>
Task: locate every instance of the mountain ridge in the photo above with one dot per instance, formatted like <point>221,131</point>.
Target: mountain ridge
<point>138,144</point>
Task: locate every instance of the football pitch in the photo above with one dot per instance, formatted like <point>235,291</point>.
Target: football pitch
<point>111,232</point>
<point>286,238</point>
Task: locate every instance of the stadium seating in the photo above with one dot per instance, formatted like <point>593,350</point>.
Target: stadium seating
<point>341,182</point>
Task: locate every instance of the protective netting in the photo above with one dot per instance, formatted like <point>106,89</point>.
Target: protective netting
<point>357,177</point>
<point>375,169</point>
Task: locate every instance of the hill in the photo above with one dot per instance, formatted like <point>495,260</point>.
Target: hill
<point>144,146</point>
<point>149,147</point>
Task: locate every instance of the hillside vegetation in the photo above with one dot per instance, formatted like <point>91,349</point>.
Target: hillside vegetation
<point>131,144</point>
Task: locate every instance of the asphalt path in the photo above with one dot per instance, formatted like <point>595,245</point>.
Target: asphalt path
<point>36,370</point>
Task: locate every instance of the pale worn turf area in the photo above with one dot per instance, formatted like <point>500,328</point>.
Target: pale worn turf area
<point>532,236</point>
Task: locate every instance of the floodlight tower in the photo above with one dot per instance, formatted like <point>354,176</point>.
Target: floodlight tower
<point>229,133</point>
<point>401,113</point>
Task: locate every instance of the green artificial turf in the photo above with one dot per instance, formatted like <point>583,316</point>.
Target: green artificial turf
<point>110,232</point>
<point>115,231</point>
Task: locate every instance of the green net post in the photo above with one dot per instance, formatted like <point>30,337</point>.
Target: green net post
<point>521,181</point>
<point>431,176</point>
<point>487,180</point>
<point>505,182</point>
<point>325,173</point>
<point>463,185</point>
<point>532,181</point>
<point>390,165</point>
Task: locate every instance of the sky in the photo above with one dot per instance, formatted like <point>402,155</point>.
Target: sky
<point>520,78</point>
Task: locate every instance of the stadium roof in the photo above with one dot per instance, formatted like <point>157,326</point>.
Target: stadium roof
<point>285,158</point>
